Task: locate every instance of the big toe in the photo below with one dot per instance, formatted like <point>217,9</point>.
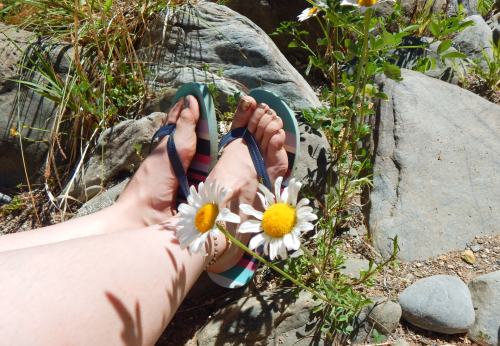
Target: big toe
<point>244,111</point>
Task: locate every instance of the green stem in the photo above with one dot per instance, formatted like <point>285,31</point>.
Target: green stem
<point>320,296</point>
<point>316,264</point>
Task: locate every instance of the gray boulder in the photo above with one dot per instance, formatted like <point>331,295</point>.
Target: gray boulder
<point>248,57</point>
<point>485,291</point>
<point>435,154</point>
<point>440,303</point>
<point>114,152</point>
<point>37,113</point>
<point>472,41</point>
<point>214,36</point>
<point>383,315</point>
<point>469,7</point>
<point>275,318</point>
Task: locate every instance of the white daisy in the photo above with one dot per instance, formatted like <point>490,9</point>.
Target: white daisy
<point>310,12</point>
<point>200,216</point>
<point>282,222</point>
<point>363,4</point>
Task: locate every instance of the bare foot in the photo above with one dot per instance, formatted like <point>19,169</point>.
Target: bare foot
<point>235,169</point>
<point>150,195</point>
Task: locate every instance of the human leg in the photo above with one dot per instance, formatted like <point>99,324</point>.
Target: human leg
<point>148,199</point>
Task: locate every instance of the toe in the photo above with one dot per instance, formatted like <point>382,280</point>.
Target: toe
<point>272,129</point>
<point>245,109</point>
<point>190,114</point>
<point>174,112</point>
<point>269,115</point>
<point>254,120</point>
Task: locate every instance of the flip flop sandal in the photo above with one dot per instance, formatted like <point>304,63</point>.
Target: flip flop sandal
<point>205,157</point>
<point>241,274</point>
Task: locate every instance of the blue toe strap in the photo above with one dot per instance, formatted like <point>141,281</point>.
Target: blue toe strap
<point>258,162</point>
<point>175,160</point>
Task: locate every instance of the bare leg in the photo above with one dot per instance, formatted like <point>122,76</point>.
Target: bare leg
<point>120,288</point>
<point>148,199</point>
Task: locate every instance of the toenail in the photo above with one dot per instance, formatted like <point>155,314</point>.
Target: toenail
<point>278,132</point>
<point>262,106</point>
<point>269,111</point>
<point>245,104</point>
<point>186,102</point>
<point>276,119</point>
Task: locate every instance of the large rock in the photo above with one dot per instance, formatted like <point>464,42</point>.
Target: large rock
<point>35,112</point>
<point>472,41</point>
<point>275,318</point>
<point>214,36</point>
<point>115,152</point>
<point>485,291</point>
<point>435,149</point>
<point>217,37</point>
<point>441,303</point>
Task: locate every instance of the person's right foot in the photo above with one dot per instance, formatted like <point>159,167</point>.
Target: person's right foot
<point>235,169</point>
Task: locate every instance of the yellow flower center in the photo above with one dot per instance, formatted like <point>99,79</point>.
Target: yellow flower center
<point>279,220</point>
<point>313,10</point>
<point>205,218</point>
<point>367,3</point>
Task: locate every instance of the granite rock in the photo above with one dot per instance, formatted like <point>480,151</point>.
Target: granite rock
<point>440,303</point>
<point>485,291</point>
<point>433,146</point>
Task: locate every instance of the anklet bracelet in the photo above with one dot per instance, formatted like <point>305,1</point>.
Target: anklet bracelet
<point>216,252</point>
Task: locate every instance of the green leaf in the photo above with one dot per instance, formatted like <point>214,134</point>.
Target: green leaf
<point>292,44</point>
<point>108,5</point>
<point>435,29</point>
<point>338,55</point>
<point>388,38</point>
<point>412,27</point>
<point>381,96</point>
<point>443,47</point>
<point>308,69</point>
<point>454,55</point>
<point>318,308</point>
<point>325,327</point>
<point>393,72</point>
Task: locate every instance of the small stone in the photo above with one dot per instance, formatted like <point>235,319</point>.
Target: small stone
<point>476,248</point>
<point>440,303</point>
<point>401,342</point>
<point>4,199</point>
<point>487,250</point>
<point>419,265</point>
<point>450,266</point>
<point>484,256</point>
<point>443,258</point>
<point>498,262</point>
<point>468,256</point>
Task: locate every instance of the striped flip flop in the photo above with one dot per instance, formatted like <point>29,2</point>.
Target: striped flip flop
<point>205,157</point>
<point>241,274</point>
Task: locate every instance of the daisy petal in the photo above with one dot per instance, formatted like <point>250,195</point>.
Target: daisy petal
<point>273,249</point>
<point>249,210</point>
<point>186,209</point>
<point>277,189</point>
<point>226,215</point>
<point>282,250</point>
<point>250,226</point>
<point>301,203</point>
<point>269,196</point>
<point>256,241</point>
<point>263,200</point>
